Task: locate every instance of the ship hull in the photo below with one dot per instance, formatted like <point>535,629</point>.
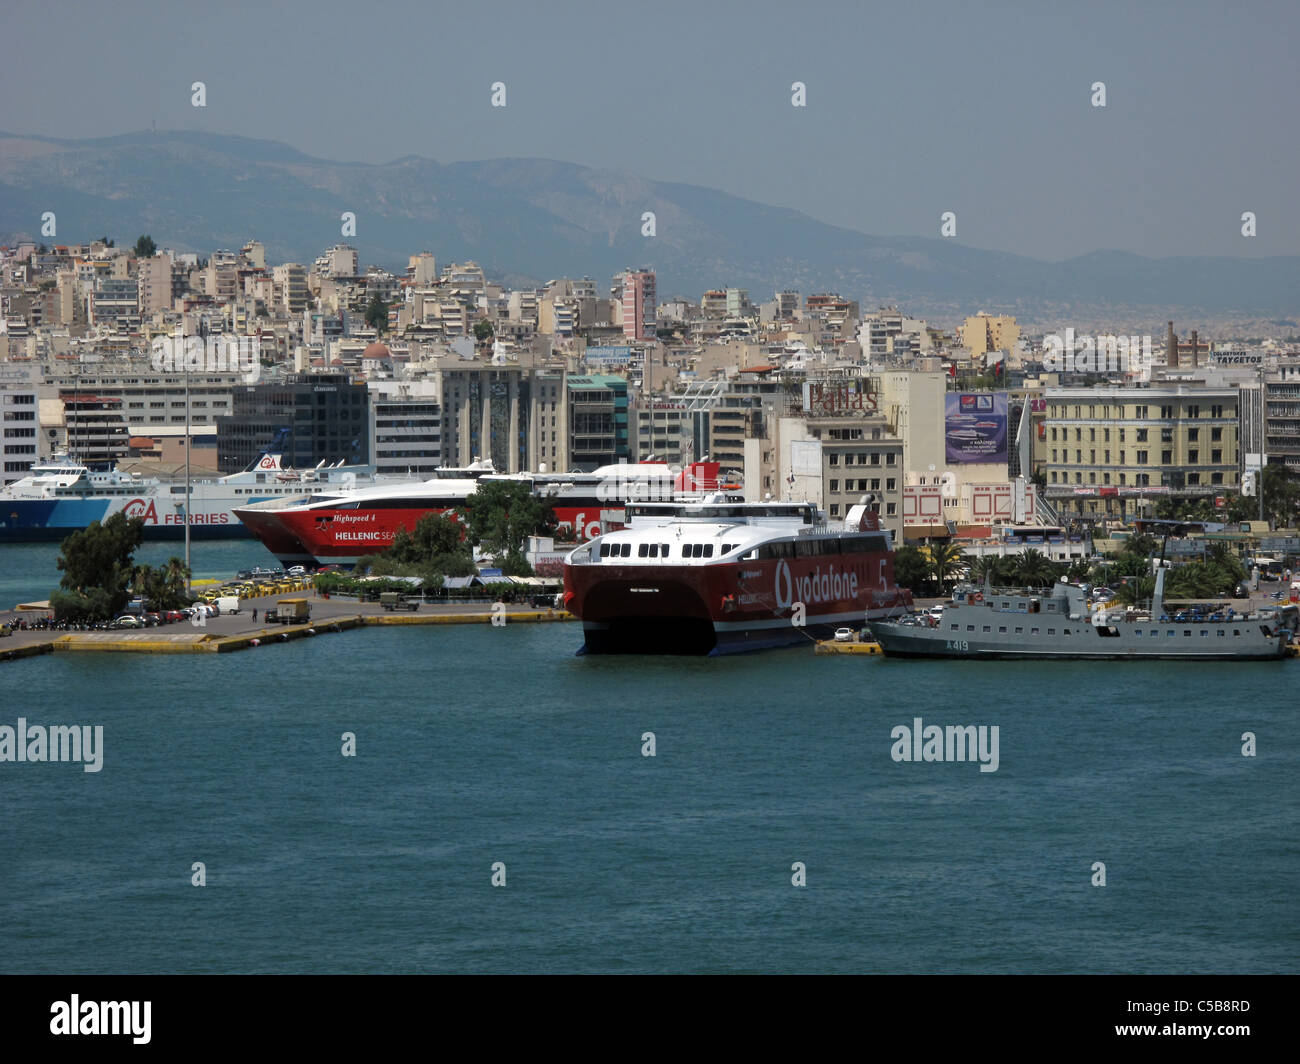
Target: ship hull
<point>49,520</point>
<point>1086,644</point>
<point>725,608</point>
<point>339,536</point>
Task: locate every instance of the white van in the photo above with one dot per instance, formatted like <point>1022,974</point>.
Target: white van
<point>228,604</point>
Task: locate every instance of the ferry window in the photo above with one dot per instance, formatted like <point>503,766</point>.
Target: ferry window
<point>1169,633</point>
<point>986,628</point>
<point>1033,631</point>
<point>970,628</point>
<point>627,550</point>
<point>663,549</point>
<point>1020,631</point>
<point>1137,632</point>
<point>1051,631</point>
<point>1069,631</point>
<point>643,550</point>
<point>604,550</point>
<point>1222,633</point>
<point>1003,629</point>
<point>708,550</point>
<point>1236,631</point>
<point>1187,632</point>
<point>1006,605</point>
<point>1204,632</point>
<point>953,627</point>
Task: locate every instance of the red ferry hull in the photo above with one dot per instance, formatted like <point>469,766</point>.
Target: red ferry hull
<point>329,536</point>
<point>728,607</point>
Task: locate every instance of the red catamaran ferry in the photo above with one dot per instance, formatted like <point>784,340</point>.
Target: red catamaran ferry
<point>338,527</point>
<point>721,576</point>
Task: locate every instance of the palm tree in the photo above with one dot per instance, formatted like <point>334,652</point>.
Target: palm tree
<point>176,577</point>
<point>1136,590</point>
<point>1034,568</point>
<point>1079,571</point>
<point>945,558</point>
<point>983,569</point>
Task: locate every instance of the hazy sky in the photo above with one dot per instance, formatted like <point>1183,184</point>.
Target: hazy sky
<point>913,108</point>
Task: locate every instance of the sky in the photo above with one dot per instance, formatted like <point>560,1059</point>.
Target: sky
<point>912,109</point>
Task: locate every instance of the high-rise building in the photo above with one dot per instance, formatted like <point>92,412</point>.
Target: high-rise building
<point>96,430</point>
<point>639,304</point>
<point>155,278</point>
<point>986,332</point>
<point>405,427</point>
<point>325,418</point>
<point>598,429</point>
<point>19,420</point>
<point>291,287</point>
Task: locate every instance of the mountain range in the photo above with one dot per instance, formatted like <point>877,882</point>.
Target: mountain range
<point>529,220</point>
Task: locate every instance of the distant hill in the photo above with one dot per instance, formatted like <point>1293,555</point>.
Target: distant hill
<point>528,220</point>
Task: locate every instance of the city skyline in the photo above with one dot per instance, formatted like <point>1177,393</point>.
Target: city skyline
<point>991,118</point>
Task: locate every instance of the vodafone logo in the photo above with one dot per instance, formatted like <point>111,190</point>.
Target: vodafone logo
<point>829,586</point>
<point>141,508</point>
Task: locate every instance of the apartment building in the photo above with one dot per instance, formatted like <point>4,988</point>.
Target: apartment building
<point>1111,451</point>
<point>405,427</point>
<point>20,442</point>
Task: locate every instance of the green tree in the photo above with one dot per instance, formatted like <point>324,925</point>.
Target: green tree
<point>434,550</point>
<point>1135,590</point>
<point>97,569</point>
<point>910,568</point>
<point>164,588</point>
<point>483,330</point>
<point>1281,496</point>
<point>984,569</point>
<point>145,247</point>
<point>438,534</point>
<point>501,516</point>
<point>377,314</point>
<point>1081,571</point>
<point>1033,568</point>
<point>944,559</point>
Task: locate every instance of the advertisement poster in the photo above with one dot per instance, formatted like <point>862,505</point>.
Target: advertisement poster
<point>975,427</point>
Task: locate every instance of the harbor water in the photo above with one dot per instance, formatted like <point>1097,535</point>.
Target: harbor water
<point>480,747</point>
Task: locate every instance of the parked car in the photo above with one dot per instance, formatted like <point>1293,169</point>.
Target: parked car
<point>297,570</point>
<point>127,620</point>
<point>936,611</point>
<point>172,616</point>
<point>844,635</point>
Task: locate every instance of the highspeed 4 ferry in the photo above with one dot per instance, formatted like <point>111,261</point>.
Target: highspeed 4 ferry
<point>333,527</point>
<point>723,575</point>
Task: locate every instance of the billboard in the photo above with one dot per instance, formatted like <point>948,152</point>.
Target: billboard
<point>975,427</point>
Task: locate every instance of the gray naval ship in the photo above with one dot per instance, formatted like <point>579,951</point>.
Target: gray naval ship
<point>1057,624</point>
